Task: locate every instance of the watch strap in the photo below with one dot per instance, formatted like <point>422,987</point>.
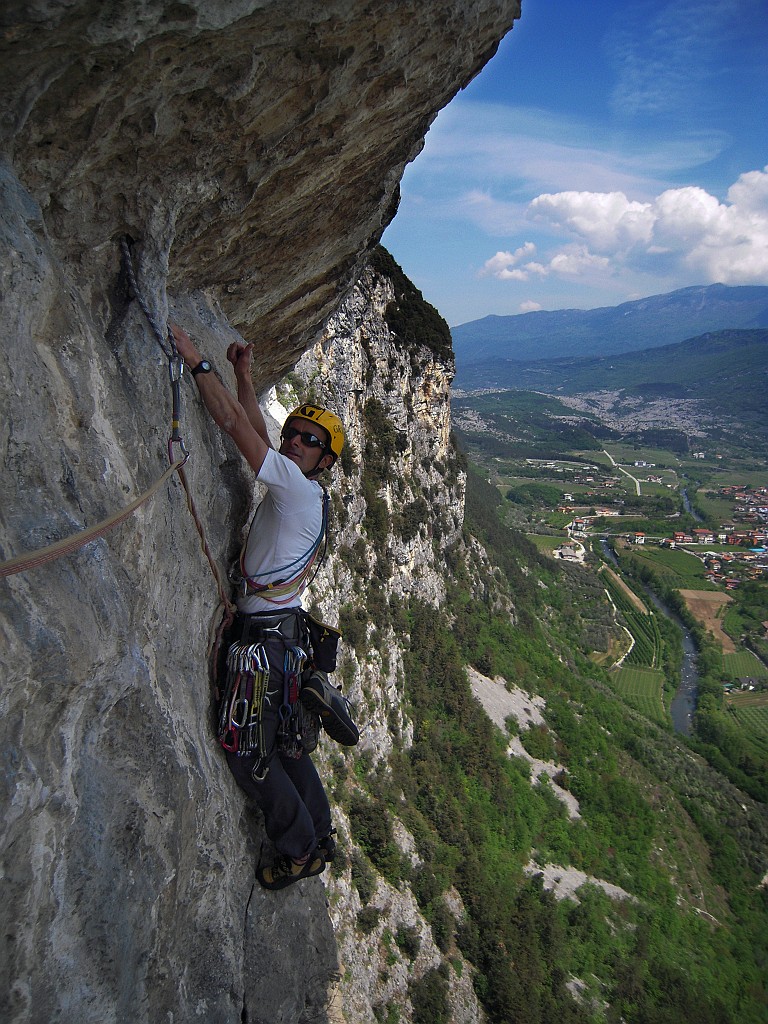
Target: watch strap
<point>202,367</point>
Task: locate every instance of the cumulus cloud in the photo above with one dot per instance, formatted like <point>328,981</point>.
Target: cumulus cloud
<point>504,265</point>
<point>606,220</point>
<point>530,306</point>
<point>508,266</point>
<point>688,227</point>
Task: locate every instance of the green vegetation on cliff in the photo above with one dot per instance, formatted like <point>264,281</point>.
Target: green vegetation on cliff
<point>687,848</point>
<point>660,846</point>
<point>410,317</point>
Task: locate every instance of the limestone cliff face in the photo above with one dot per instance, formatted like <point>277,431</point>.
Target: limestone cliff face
<point>253,146</point>
<point>386,389</point>
<point>251,150</point>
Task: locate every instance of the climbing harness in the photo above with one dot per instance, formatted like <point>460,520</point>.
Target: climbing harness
<point>285,591</point>
<point>246,696</point>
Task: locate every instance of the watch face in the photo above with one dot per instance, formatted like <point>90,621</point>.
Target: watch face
<point>202,367</point>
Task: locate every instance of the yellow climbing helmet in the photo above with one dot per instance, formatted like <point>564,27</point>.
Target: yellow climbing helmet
<point>328,420</point>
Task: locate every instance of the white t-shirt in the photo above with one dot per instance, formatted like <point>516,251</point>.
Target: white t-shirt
<point>283,531</point>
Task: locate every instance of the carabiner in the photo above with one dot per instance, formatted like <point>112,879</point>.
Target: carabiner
<point>230,744</point>
<point>182,447</point>
<point>244,721</point>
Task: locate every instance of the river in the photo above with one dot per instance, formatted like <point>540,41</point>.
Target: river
<point>688,506</point>
<point>683,703</point>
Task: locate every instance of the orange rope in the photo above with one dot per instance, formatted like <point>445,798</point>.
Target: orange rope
<point>230,608</point>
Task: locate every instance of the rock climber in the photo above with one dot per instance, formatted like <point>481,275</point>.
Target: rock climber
<point>272,703</point>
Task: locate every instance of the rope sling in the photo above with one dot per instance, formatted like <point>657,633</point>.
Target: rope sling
<point>284,591</point>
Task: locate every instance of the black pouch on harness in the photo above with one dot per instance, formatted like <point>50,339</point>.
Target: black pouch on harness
<point>324,641</point>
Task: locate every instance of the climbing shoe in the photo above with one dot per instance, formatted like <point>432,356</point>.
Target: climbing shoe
<point>318,695</point>
<point>327,846</point>
<point>308,728</point>
<point>286,871</point>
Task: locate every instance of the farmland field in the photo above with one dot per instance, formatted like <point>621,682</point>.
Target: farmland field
<point>641,687</point>
<point>626,455</point>
<point>750,709</point>
<point>742,664</point>
<point>707,608</point>
<point>715,507</point>
<point>678,568</point>
<point>547,543</point>
<point>613,581</point>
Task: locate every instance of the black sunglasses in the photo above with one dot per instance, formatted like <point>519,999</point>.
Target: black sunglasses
<point>307,439</point>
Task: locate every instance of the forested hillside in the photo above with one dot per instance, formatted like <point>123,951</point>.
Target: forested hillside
<point>577,858</point>
<point>688,940</point>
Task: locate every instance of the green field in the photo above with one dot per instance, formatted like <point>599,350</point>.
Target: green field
<point>641,688</point>
<point>627,454</point>
<point>750,709</point>
<point>743,664</point>
<point>597,458</point>
<point>678,568</point>
<point>737,474</point>
<point>717,509</point>
<point>546,543</point>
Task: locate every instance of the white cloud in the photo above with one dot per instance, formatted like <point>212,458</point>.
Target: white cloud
<point>504,264</point>
<point>577,261</point>
<point>530,306</point>
<point>726,242</point>
<point>607,220</point>
<point>507,266</point>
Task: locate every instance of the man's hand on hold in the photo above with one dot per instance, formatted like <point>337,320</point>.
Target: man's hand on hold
<point>240,357</point>
<point>185,345</point>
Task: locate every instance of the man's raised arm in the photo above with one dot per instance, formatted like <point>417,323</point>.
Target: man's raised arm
<point>227,411</point>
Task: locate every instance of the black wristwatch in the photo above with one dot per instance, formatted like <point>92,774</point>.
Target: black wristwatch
<point>202,367</point>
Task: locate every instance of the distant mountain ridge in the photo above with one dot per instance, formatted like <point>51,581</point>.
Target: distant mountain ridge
<point>727,371</point>
<point>609,330</point>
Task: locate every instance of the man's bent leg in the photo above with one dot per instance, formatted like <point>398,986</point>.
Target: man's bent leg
<point>303,774</point>
<point>287,820</point>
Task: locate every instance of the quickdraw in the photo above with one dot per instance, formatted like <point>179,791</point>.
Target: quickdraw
<point>289,731</point>
<point>175,362</point>
<point>241,710</point>
<point>175,373</point>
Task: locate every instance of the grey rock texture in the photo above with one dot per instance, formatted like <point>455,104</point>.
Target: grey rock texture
<point>255,148</point>
<point>358,361</point>
<point>252,152</point>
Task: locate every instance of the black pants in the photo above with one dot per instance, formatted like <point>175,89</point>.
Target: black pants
<point>295,806</point>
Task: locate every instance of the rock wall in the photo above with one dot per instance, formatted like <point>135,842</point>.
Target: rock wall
<point>253,147</point>
<point>358,364</point>
<point>251,151</point>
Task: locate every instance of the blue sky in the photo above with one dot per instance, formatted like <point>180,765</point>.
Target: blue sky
<point>609,151</point>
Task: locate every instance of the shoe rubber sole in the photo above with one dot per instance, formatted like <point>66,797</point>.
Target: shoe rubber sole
<point>314,866</point>
<point>339,726</point>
